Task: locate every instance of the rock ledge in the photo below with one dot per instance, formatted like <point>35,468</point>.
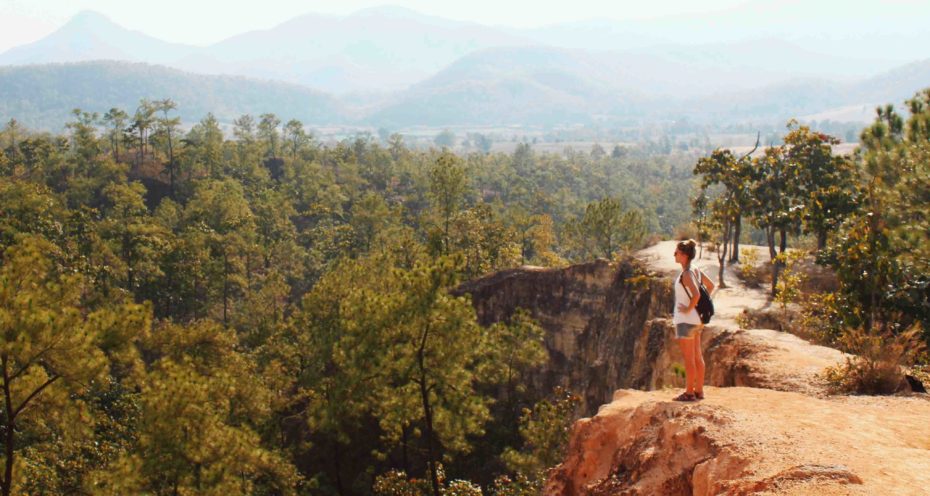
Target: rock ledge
<point>742,441</point>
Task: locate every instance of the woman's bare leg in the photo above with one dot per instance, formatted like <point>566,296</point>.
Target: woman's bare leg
<point>687,350</point>
<point>698,361</point>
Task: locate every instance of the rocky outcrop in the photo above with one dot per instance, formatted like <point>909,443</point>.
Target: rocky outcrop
<point>742,441</point>
<point>765,358</point>
<point>769,427</point>
<point>605,324</point>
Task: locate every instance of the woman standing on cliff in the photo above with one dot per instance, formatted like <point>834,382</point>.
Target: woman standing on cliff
<point>687,322</point>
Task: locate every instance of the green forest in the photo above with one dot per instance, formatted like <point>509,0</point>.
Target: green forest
<point>193,311</point>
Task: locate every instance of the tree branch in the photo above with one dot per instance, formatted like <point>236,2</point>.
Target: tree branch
<point>758,135</point>
<point>34,394</point>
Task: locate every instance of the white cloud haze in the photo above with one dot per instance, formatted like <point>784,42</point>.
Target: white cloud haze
<point>207,21</point>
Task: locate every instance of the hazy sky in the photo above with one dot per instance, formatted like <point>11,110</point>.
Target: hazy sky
<point>202,22</point>
<point>205,21</point>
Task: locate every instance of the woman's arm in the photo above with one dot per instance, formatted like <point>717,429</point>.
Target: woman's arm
<point>708,284</point>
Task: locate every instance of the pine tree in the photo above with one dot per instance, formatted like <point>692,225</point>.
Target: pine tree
<point>52,348</point>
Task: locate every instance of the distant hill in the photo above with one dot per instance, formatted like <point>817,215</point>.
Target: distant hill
<point>831,99</point>
<point>512,86</point>
<point>41,97</point>
<point>390,48</point>
<point>895,85</point>
<point>535,86</point>
<point>376,49</point>
<point>547,86</point>
<point>92,36</point>
<point>373,49</point>
<point>872,36</point>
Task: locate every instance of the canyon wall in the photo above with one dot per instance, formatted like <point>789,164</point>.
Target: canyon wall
<point>606,324</point>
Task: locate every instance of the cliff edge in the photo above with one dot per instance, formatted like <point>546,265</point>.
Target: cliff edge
<point>742,441</point>
<point>769,427</point>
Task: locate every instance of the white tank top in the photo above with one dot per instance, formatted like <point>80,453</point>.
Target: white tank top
<point>681,297</point>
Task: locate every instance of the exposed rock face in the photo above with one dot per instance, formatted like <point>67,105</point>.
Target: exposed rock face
<point>742,441</point>
<point>770,428</point>
<point>768,359</point>
<point>603,323</point>
<point>608,327</point>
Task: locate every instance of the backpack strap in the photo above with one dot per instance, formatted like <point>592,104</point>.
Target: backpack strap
<point>695,278</point>
<point>682,282</point>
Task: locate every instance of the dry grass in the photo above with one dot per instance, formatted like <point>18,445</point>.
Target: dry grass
<point>879,364</point>
<point>752,271</point>
<point>768,319</point>
<point>816,278</point>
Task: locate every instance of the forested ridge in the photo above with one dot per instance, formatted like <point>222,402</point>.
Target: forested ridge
<point>42,95</point>
<point>550,89</point>
<point>188,313</point>
<point>267,314</point>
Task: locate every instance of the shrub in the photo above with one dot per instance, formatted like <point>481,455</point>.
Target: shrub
<point>769,319</point>
<point>879,364</point>
<point>397,483</point>
<point>752,271</point>
<point>791,280</point>
<point>821,318</point>
<point>679,370</point>
<point>686,231</point>
<point>519,485</point>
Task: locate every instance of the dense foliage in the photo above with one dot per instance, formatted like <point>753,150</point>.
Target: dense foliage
<point>187,312</point>
<point>866,213</point>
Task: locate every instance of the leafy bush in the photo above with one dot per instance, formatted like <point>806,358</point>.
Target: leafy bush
<point>878,367</point>
<point>520,485</point>
<point>791,281</point>
<point>396,483</point>
<point>685,231</point>
<point>751,271</point>
<point>545,430</point>
<point>768,319</point>
<point>821,318</point>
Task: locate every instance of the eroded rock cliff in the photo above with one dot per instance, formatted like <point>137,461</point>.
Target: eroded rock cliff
<point>742,441</point>
<point>771,429</point>
<point>605,324</point>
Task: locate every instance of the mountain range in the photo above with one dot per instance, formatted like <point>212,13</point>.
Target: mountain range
<point>374,49</point>
<point>395,67</point>
<point>42,96</point>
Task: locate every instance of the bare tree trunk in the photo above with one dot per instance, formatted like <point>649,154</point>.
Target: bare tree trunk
<point>734,256</point>
<point>427,412</point>
<point>225,288</point>
<point>405,458</point>
<point>170,166</point>
<point>140,155</point>
<point>777,264</point>
<point>9,433</point>
<point>722,254</point>
<point>821,240</point>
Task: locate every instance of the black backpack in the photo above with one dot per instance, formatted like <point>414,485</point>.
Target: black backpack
<point>705,306</point>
